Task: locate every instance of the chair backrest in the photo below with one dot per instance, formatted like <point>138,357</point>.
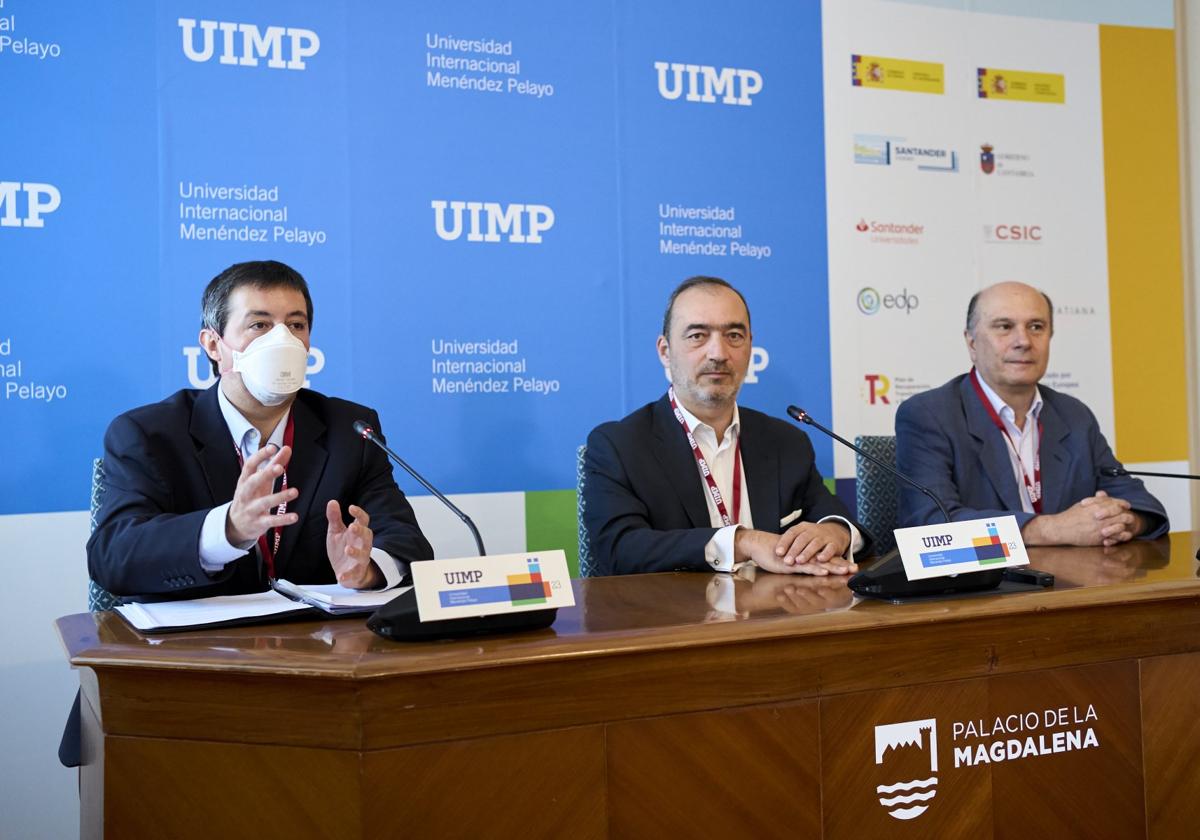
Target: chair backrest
<point>98,598</point>
<point>586,569</point>
<point>876,492</point>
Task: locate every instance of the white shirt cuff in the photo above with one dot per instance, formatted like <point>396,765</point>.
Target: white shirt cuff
<point>216,551</point>
<point>718,552</point>
<point>856,540</point>
<point>393,570</point>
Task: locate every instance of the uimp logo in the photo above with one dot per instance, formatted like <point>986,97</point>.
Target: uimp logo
<point>487,220</point>
<point>38,200</point>
<point>878,386</point>
<point>200,375</point>
<point>704,83</point>
<point>243,44</point>
<point>1017,234</point>
<point>908,753</point>
<point>870,301</point>
<point>759,359</point>
<point>988,550</point>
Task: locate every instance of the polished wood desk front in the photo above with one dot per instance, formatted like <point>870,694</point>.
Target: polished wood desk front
<point>675,706</point>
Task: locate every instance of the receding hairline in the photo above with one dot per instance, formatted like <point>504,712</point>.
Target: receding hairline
<point>973,304</point>
<point>710,284</point>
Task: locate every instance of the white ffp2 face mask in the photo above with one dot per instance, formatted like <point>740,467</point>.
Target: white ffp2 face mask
<point>272,366</point>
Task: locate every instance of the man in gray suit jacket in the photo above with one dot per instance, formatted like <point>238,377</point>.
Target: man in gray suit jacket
<point>994,442</point>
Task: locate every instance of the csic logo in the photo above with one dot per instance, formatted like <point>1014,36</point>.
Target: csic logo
<point>1022,234</point>
<point>903,747</point>
<point>301,44</point>
<point>200,375</point>
<point>704,83</point>
<point>40,200</point>
<point>536,218</point>
<point>870,301</point>
<point>878,386</point>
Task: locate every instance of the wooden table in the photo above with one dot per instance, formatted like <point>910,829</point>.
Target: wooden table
<point>677,705</point>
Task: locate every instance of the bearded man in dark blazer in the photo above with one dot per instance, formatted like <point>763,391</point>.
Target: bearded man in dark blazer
<point>693,482</point>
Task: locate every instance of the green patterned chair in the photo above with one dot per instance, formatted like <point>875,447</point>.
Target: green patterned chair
<point>99,598</point>
<point>586,568</point>
<point>876,493</point>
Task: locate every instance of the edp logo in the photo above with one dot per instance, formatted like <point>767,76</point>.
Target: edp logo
<point>253,44</point>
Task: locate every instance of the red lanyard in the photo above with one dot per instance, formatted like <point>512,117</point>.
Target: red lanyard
<point>705,471</point>
<point>1034,488</point>
<point>270,549</point>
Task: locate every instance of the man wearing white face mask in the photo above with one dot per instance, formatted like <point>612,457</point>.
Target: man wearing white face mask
<point>215,492</point>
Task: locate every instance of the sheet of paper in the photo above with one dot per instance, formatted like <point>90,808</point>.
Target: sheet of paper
<point>201,611</point>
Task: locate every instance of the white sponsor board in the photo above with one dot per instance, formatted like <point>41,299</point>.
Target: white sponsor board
<point>914,227</point>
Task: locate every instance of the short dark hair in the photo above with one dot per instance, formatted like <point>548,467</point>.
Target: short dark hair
<point>691,283</point>
<point>260,274</point>
<point>973,315</point>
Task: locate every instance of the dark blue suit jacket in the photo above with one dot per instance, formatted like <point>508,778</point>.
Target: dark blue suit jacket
<point>167,464</point>
<point>644,504</point>
<point>946,441</point>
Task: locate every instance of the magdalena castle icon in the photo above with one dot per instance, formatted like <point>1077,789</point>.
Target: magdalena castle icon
<point>908,753</point>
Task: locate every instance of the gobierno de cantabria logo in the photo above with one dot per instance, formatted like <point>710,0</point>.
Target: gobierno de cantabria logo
<point>908,754</point>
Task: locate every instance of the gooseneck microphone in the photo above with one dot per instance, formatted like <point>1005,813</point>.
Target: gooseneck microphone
<point>1114,472</point>
<point>802,416</point>
<point>368,433</point>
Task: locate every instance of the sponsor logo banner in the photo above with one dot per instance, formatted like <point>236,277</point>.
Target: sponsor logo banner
<point>873,71</point>
<point>870,301</point>
<point>881,150</point>
<point>1005,164</point>
<point>891,233</point>
<point>1013,234</point>
<point>1022,86</point>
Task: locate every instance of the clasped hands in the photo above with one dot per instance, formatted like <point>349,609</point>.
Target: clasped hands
<point>811,548</point>
<point>1096,520</point>
<point>252,514</point>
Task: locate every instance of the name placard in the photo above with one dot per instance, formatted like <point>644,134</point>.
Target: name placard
<point>503,583</point>
<point>953,548</point>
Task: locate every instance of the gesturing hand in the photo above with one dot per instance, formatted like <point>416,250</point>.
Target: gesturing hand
<point>250,513</point>
<point>349,548</point>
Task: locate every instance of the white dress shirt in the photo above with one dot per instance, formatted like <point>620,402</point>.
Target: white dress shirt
<point>718,552</point>
<point>1026,440</point>
<point>215,549</point>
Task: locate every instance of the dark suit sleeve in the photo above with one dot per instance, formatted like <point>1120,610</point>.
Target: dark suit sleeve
<point>925,454</point>
<point>1126,487</point>
<point>139,547</point>
<point>619,525</point>
<point>811,494</point>
<point>393,522</point>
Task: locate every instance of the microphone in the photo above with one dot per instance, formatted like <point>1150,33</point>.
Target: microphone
<point>367,433</point>
<point>802,416</point>
<point>1114,472</point>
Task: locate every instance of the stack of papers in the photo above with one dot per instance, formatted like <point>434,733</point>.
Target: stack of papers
<point>287,599</point>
